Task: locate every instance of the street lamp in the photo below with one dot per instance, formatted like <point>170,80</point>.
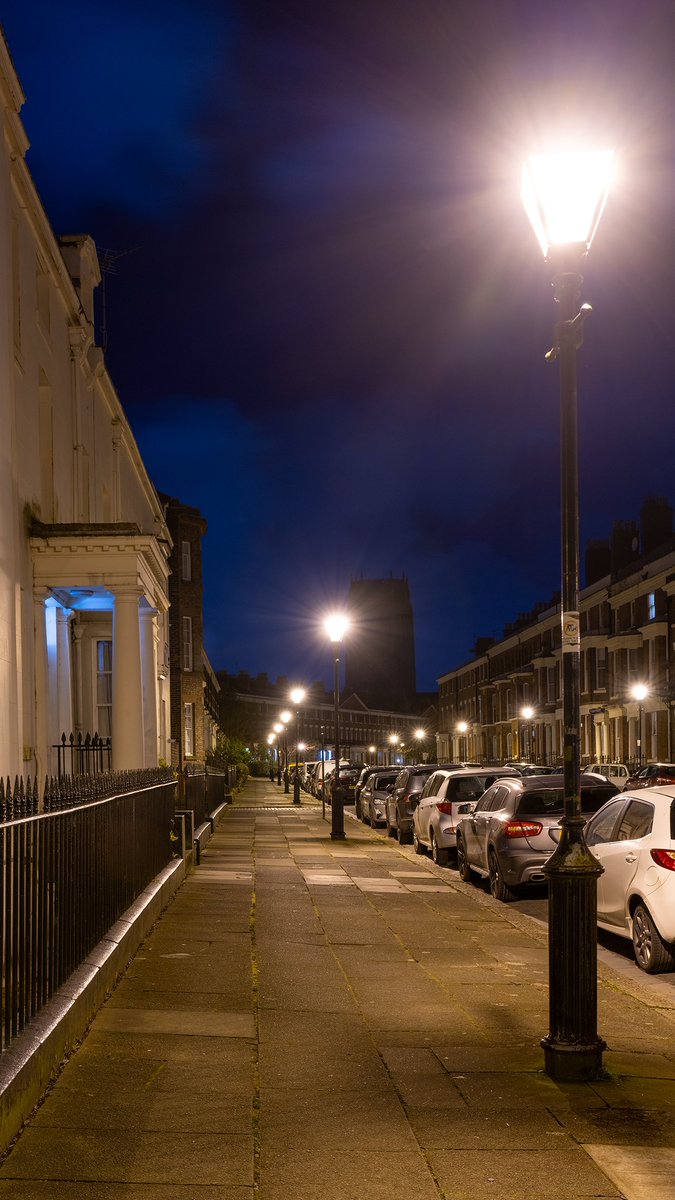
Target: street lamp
<point>527,714</point>
<point>285,717</point>
<point>639,692</point>
<point>461,728</point>
<point>336,626</point>
<point>420,736</point>
<point>296,697</point>
<point>564,195</point>
<point>278,728</point>
<point>393,740</point>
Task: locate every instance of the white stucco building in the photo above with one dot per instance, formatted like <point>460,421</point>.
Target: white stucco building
<point>83,540</point>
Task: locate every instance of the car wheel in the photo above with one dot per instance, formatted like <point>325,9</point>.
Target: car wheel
<point>463,867</point>
<point>500,890</point>
<point>418,846</point>
<point>652,954</point>
<point>438,853</point>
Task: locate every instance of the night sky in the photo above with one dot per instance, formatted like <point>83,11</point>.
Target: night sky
<point>328,317</point>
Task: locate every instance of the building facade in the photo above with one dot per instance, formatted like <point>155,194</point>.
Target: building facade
<point>83,540</point>
<point>505,703</point>
<point>195,691</point>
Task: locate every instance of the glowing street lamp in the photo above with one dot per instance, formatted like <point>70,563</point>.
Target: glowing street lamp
<point>462,729</point>
<point>420,736</point>
<point>527,713</point>
<point>639,692</point>
<point>296,697</point>
<point>336,626</point>
<point>564,195</point>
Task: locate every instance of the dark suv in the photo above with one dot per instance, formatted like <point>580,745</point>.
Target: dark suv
<point>405,797</point>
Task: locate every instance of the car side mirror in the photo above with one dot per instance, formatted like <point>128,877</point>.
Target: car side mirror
<point>465,808</point>
<point>414,799</point>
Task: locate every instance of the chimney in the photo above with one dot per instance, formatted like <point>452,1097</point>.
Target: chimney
<point>656,521</point>
<point>624,545</point>
<point>597,561</point>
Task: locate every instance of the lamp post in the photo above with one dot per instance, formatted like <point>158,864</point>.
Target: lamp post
<point>420,736</point>
<point>527,714</point>
<point>285,717</point>
<point>336,626</point>
<point>639,692</point>
<point>564,195</point>
<point>393,740</point>
<point>278,728</point>
<point>296,697</point>
<point>461,728</point>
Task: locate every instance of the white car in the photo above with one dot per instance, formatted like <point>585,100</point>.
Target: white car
<point>617,773</point>
<point>633,837</point>
<point>448,794</point>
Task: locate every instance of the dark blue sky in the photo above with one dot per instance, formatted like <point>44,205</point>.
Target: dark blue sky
<point>329,332</point>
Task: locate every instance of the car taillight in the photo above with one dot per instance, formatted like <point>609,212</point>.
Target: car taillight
<point>444,806</point>
<point>664,858</point>
<point>661,780</point>
<point>516,829</point>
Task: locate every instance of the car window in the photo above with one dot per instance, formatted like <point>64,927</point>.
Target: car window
<point>541,803</point>
<point>593,798</point>
<point>381,782</point>
<point>485,802</point>
<point>636,822</point>
<point>601,828</point>
<point>432,784</point>
<point>492,800</point>
<point>467,787</point>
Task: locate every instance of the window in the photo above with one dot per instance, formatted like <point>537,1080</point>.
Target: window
<point>601,668</point>
<point>187,643</point>
<point>103,689</point>
<point>602,829</point>
<point>185,561</point>
<point>189,729</point>
<point>651,606</point>
<point>636,822</point>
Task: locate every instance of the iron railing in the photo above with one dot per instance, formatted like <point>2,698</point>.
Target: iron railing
<point>88,755</point>
<point>66,876</point>
<point>204,788</point>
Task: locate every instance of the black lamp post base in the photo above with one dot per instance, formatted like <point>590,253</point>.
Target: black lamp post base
<point>336,835</point>
<point>573,1063</point>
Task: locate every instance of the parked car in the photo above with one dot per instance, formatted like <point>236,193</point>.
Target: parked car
<point>374,794</point>
<point>633,837</point>
<point>653,775</point>
<point>514,827</point>
<point>447,794</point>
<point>362,779</point>
<point>403,799</point>
<point>617,773</point>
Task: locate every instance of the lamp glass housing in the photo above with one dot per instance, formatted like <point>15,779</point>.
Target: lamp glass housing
<point>564,195</point>
<point>336,626</point>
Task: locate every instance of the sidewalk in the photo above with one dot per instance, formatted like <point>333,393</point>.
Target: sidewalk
<point>318,1020</point>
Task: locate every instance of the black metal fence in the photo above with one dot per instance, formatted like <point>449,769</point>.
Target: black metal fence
<point>67,875</point>
<point>204,788</point>
<point>88,755</point>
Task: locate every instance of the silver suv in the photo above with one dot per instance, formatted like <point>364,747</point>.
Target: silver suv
<point>515,826</point>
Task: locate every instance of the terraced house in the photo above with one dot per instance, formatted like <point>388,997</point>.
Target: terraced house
<point>83,538</point>
<point>506,701</point>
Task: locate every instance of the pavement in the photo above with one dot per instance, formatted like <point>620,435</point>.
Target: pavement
<point>330,1020</point>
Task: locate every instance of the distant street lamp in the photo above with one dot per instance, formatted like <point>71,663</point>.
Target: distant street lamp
<point>372,750</point>
<point>296,697</point>
<point>462,729</point>
<point>639,692</point>
<point>285,717</point>
<point>278,728</point>
<point>420,736</point>
<point>393,740</point>
<point>527,714</point>
<point>564,196</point>
<point>336,626</point>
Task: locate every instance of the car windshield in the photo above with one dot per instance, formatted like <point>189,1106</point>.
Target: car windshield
<point>549,801</point>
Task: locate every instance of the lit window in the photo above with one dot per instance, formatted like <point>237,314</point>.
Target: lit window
<point>103,689</point>
<point>651,606</point>
<point>189,728</point>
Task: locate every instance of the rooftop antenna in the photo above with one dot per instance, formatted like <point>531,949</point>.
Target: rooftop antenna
<point>107,261</point>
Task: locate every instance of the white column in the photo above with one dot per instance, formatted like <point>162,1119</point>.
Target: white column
<point>127,687</point>
<point>64,692</point>
<point>149,683</point>
<point>42,753</point>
